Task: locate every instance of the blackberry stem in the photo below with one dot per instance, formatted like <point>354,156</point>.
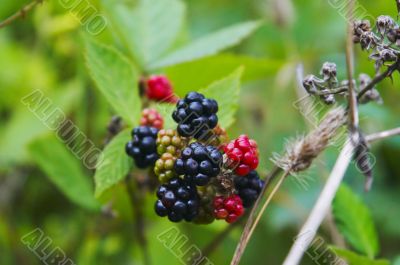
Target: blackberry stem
<point>137,202</point>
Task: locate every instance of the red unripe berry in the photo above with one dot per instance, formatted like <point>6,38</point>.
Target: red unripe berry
<point>159,88</point>
<point>218,202</point>
<point>229,209</point>
<point>242,155</point>
<point>151,118</point>
<point>230,205</point>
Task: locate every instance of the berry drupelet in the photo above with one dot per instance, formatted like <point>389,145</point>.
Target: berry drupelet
<point>159,88</point>
<point>142,148</point>
<point>249,188</point>
<point>164,167</point>
<point>178,200</point>
<point>198,163</point>
<point>151,118</point>
<point>168,141</point>
<point>242,155</point>
<point>228,209</point>
<point>195,115</point>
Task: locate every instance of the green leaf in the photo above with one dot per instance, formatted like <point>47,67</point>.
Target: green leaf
<point>208,45</point>
<point>355,259</point>
<point>116,78</point>
<point>14,139</point>
<point>64,170</point>
<point>191,76</point>
<point>355,222</point>
<point>150,29</point>
<point>115,164</point>
<point>226,93</point>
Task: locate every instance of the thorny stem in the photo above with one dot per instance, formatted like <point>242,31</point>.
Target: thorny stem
<point>136,199</point>
<point>379,78</point>
<point>20,13</point>
<point>245,234</point>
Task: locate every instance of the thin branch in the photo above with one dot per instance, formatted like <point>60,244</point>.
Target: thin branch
<point>20,13</point>
<point>379,78</point>
<point>266,203</point>
<point>321,208</point>
<point>382,135</point>
<point>245,234</point>
<point>353,110</point>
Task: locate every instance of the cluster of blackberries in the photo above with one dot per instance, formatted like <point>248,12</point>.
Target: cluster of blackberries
<point>201,176</point>
<point>195,115</point>
<point>249,188</point>
<point>198,163</point>
<point>178,200</point>
<point>142,148</point>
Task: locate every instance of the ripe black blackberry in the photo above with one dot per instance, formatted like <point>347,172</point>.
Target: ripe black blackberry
<point>198,163</point>
<point>142,148</point>
<point>249,187</point>
<point>195,115</point>
<point>178,200</point>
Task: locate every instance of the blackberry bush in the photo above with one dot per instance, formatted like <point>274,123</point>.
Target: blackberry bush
<point>195,115</point>
<point>177,199</point>
<point>249,188</point>
<point>142,148</point>
<point>198,163</point>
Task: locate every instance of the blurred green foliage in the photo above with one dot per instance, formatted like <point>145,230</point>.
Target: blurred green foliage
<point>46,51</point>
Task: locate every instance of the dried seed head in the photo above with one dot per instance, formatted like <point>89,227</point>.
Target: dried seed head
<point>368,40</point>
<point>329,99</point>
<point>384,24</point>
<point>364,80</point>
<point>301,152</point>
<point>328,71</point>
<point>309,84</point>
<point>360,27</point>
<point>393,35</point>
<point>382,56</point>
<point>370,95</point>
